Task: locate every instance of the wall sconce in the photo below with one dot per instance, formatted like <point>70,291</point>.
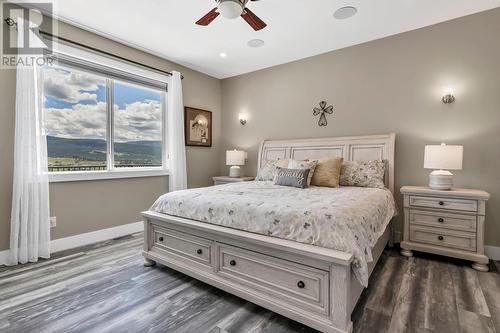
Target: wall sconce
<point>242,118</point>
<point>448,97</point>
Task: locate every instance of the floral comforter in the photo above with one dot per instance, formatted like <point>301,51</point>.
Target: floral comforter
<point>348,219</point>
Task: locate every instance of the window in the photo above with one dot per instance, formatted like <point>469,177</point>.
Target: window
<point>75,120</point>
<point>101,124</point>
<point>137,131</point>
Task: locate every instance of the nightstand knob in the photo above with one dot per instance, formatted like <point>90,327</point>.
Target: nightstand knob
<point>441,203</point>
<point>440,220</point>
<point>199,251</point>
<point>232,263</point>
<point>160,239</point>
<point>440,238</point>
<point>301,284</point>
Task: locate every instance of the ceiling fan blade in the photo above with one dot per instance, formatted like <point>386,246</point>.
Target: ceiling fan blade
<point>208,18</point>
<point>255,22</point>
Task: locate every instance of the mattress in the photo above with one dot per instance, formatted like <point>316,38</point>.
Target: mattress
<point>348,219</point>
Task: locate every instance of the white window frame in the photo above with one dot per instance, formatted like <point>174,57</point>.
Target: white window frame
<point>112,172</point>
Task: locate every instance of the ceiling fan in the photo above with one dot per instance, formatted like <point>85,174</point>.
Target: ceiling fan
<point>231,9</point>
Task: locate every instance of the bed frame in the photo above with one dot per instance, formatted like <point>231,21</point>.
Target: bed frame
<point>310,284</point>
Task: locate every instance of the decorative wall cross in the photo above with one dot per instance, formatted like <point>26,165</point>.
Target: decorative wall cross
<point>322,111</point>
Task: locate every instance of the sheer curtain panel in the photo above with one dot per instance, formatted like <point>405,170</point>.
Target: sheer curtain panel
<point>30,220</point>
<point>176,147</point>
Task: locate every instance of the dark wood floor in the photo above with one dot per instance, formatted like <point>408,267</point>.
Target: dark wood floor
<point>105,288</point>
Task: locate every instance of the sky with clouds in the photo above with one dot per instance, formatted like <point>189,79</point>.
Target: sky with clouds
<point>75,107</point>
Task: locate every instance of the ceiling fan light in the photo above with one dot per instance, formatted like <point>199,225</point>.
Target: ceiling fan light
<point>230,9</point>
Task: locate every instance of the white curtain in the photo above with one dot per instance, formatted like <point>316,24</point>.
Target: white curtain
<point>176,146</point>
<point>30,220</point>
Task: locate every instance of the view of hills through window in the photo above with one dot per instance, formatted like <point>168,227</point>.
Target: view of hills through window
<point>76,120</point>
<point>137,125</point>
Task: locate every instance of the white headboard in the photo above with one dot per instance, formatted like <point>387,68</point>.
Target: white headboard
<point>351,148</point>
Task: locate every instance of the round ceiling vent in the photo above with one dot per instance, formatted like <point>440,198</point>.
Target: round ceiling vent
<point>255,43</point>
<point>345,12</point>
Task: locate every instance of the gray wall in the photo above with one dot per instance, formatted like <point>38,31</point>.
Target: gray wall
<point>87,206</point>
<point>393,84</point>
<point>389,85</point>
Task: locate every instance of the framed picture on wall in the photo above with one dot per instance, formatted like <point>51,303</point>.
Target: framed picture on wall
<point>198,127</point>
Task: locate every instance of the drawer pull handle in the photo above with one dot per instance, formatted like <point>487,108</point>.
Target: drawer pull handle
<point>232,263</point>
<point>441,203</point>
<point>440,220</point>
<point>301,284</point>
<point>160,239</point>
<point>199,251</point>
<point>440,238</point>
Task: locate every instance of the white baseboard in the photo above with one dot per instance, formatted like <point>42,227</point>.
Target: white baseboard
<point>493,252</point>
<point>92,237</point>
<point>71,242</point>
<point>4,256</point>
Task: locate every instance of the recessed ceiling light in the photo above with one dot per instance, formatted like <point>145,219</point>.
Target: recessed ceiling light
<point>223,55</point>
<point>345,12</point>
<point>255,43</point>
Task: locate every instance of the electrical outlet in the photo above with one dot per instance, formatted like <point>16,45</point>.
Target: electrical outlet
<point>53,221</point>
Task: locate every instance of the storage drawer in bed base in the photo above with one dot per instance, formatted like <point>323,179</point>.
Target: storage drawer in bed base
<point>187,246</point>
<point>301,286</point>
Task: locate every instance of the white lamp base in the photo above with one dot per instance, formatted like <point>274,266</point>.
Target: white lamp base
<point>441,180</point>
<point>235,171</point>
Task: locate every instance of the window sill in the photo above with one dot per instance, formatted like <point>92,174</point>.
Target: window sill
<point>75,176</point>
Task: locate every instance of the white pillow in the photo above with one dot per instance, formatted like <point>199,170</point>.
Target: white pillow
<point>268,170</point>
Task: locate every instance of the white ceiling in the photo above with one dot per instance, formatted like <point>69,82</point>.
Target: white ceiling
<point>296,28</point>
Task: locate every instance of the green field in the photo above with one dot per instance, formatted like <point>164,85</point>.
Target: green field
<point>90,154</point>
<point>73,162</point>
<point>76,164</point>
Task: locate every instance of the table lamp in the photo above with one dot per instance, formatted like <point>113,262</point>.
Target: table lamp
<point>442,158</point>
<point>235,158</point>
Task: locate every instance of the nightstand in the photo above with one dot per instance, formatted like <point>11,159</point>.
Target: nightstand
<point>449,223</point>
<point>226,179</point>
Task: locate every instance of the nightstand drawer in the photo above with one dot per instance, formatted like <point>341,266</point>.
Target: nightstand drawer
<point>443,237</point>
<point>443,203</point>
<point>443,220</point>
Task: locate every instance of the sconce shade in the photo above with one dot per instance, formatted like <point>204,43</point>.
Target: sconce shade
<point>242,118</point>
<point>235,157</point>
<point>443,157</point>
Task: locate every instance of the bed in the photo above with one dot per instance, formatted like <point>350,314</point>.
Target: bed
<point>304,253</point>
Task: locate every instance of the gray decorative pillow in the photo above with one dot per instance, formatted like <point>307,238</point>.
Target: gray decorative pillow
<point>268,170</point>
<point>291,177</point>
<point>306,164</point>
<point>363,173</point>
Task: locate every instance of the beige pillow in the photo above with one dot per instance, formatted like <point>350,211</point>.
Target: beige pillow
<point>308,164</point>
<point>327,172</point>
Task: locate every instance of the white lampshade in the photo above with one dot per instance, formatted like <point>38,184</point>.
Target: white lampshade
<point>235,157</point>
<point>230,9</point>
<point>443,157</point>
